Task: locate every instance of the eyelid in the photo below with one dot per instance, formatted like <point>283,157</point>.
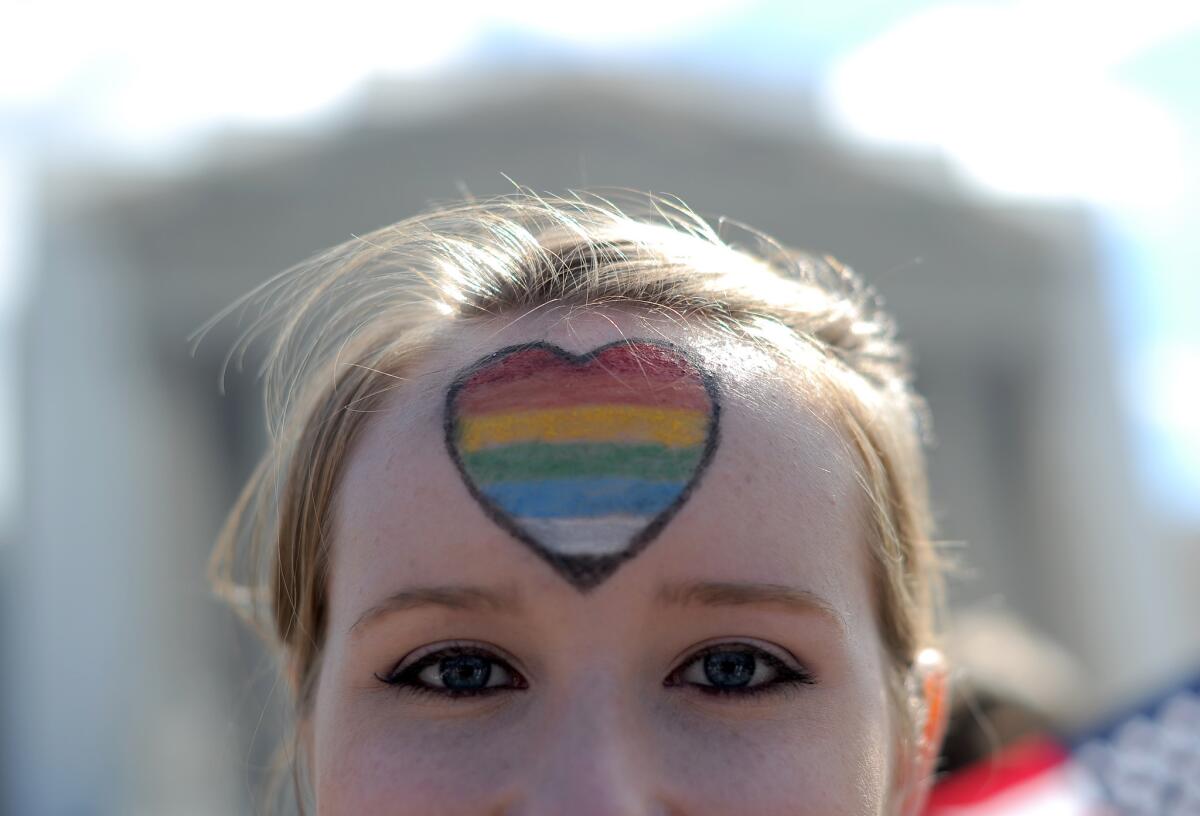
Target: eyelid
<point>778,652</point>
<point>791,673</point>
<point>417,655</point>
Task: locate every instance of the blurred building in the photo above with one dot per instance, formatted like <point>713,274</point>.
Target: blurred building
<point>133,692</point>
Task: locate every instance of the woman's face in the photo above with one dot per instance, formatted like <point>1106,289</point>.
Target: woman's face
<point>633,583</point>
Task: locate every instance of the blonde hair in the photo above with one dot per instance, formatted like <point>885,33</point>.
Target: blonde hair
<point>352,320</point>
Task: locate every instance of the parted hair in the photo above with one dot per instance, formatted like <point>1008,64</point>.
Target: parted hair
<point>344,327</point>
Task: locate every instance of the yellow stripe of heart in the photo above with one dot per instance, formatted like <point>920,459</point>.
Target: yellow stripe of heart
<point>674,427</point>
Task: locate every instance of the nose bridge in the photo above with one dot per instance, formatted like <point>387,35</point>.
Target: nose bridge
<point>592,760</point>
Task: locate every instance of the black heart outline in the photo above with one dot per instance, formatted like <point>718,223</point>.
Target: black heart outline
<point>585,572</point>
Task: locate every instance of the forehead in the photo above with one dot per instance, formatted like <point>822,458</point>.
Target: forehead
<point>774,499</point>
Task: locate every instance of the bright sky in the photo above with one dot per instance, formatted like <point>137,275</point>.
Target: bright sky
<point>1059,99</point>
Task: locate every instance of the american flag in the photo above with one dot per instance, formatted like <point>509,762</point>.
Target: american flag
<point>1144,762</point>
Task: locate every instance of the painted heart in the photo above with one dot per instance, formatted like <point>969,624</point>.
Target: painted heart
<point>583,457</point>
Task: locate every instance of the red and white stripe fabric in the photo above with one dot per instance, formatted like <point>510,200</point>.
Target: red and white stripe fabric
<point>1143,763</point>
<point>1033,778</point>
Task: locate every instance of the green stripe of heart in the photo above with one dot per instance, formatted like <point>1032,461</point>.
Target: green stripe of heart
<point>538,460</point>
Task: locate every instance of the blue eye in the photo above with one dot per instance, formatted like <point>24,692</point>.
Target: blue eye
<point>738,669</point>
<point>463,672</point>
<point>729,669</point>
<point>456,671</point>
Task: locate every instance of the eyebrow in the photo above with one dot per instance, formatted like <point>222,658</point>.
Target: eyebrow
<point>464,598</point>
<point>693,593</point>
<point>732,593</point>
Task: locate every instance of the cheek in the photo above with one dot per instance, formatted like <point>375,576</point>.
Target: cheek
<point>831,760</point>
<point>368,759</point>
<point>828,763</point>
<point>825,752</point>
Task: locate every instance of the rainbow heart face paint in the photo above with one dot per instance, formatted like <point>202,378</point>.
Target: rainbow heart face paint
<point>583,457</point>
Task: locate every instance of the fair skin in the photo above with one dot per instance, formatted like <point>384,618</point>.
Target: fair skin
<point>603,702</point>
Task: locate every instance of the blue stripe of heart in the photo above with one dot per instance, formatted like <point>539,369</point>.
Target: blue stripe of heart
<point>577,498</point>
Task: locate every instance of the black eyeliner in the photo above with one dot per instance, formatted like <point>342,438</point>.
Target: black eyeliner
<point>787,678</point>
<point>405,681</point>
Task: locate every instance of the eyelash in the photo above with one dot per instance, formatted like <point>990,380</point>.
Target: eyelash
<point>407,680</point>
<point>787,678</point>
